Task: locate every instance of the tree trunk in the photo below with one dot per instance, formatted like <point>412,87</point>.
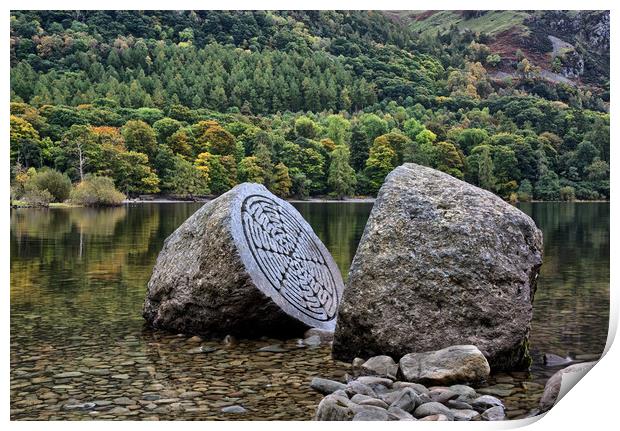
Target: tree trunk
<point>81,162</point>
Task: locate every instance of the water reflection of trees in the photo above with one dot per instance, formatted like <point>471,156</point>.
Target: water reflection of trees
<point>339,226</point>
<point>571,308</point>
<point>65,258</point>
<point>85,268</point>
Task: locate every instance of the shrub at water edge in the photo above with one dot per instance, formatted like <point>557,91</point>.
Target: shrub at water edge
<point>37,198</point>
<point>58,185</point>
<point>96,191</point>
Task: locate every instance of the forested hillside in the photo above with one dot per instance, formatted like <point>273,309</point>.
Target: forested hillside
<point>568,46</point>
<point>308,103</point>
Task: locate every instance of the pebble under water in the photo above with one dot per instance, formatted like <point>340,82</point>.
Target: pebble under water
<point>80,350</point>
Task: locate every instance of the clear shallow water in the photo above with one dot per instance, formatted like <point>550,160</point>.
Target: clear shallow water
<point>78,279</point>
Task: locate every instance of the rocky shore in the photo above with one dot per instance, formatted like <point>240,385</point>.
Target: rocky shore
<point>161,376</point>
<point>381,389</point>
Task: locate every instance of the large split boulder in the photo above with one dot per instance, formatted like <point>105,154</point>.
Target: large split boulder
<point>247,264</point>
<point>441,262</point>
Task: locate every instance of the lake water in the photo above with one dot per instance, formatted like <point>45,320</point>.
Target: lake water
<point>78,280</point>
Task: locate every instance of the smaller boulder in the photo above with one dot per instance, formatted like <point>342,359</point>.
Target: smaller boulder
<point>465,392</point>
<point>455,364</point>
<point>374,381</point>
<point>365,400</point>
<point>485,402</point>
<point>326,386</point>
<point>341,393</point>
<point>420,389</point>
<point>356,366</point>
<point>333,408</point>
<point>356,408</point>
<point>398,414</point>
<point>356,387</point>
<point>407,400</point>
<point>436,418</point>
<point>424,398</point>
<point>383,366</point>
<point>442,396</point>
<point>494,414</point>
<point>465,414</point>
<point>433,408</point>
<point>390,396</point>
<point>459,405</point>
<point>371,415</point>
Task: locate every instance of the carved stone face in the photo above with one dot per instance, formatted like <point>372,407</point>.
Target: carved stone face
<point>286,260</point>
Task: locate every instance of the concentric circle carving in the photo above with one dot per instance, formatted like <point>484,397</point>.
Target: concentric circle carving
<point>289,257</point>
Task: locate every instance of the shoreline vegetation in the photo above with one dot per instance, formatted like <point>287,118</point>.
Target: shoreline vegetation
<point>177,200</point>
<point>195,102</point>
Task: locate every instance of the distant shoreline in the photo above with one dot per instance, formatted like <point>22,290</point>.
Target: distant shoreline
<point>361,199</point>
<point>365,199</point>
<point>205,200</point>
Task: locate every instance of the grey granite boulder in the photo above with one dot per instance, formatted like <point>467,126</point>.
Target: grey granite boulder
<point>485,402</point>
<point>454,364</point>
<point>398,414</point>
<point>326,386</point>
<point>355,387</point>
<point>441,262</point>
<point>333,408</point>
<point>407,400</point>
<point>365,400</point>
<point>551,393</point>
<point>438,417</point>
<point>433,408</point>
<point>465,415</point>
<point>371,415</point>
<point>420,389</point>
<point>375,381</point>
<point>494,414</point>
<point>383,366</point>
<point>442,396</point>
<point>466,393</point>
<point>246,264</point>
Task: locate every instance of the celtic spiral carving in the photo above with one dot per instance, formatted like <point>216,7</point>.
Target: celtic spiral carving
<point>289,258</point>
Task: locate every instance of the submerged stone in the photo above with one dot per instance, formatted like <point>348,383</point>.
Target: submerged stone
<point>233,409</point>
<point>553,360</point>
<point>326,336</point>
<point>441,262</point>
<point>248,264</point>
